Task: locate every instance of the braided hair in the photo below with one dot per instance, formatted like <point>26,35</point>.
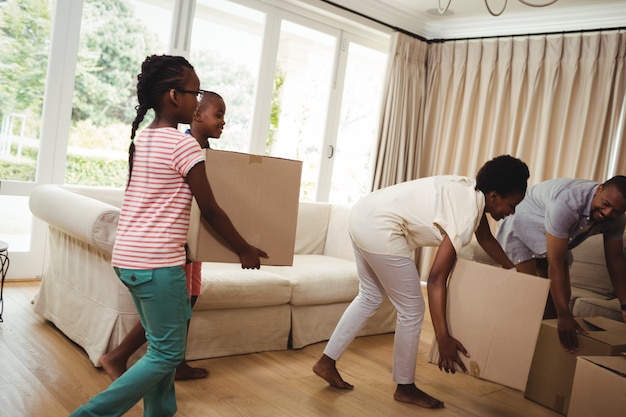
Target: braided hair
<point>504,174</point>
<point>159,74</point>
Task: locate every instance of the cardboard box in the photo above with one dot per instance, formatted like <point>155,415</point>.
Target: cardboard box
<point>552,370</point>
<point>260,194</point>
<point>496,314</point>
<point>599,387</point>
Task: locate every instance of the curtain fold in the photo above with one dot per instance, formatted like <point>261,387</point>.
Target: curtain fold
<point>400,136</point>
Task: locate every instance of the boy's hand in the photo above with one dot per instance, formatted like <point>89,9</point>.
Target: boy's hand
<point>250,258</point>
<point>448,355</point>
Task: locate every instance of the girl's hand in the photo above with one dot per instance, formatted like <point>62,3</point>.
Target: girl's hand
<point>250,258</point>
<point>448,355</point>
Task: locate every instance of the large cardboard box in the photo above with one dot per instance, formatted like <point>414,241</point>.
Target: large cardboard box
<point>599,387</point>
<point>260,194</point>
<point>496,314</point>
<point>552,370</point>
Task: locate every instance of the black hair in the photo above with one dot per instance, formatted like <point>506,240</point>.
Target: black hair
<point>619,182</point>
<point>159,74</point>
<point>504,174</point>
<point>208,94</point>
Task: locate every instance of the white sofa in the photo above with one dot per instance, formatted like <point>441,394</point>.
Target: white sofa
<point>239,311</point>
<point>592,290</point>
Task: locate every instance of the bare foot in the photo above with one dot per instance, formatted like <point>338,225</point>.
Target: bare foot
<point>409,393</point>
<point>184,371</point>
<point>326,369</point>
<point>112,365</point>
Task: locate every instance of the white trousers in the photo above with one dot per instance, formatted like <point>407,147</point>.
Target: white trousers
<point>397,278</point>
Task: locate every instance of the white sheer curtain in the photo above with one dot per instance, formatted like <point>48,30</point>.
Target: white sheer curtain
<point>555,101</point>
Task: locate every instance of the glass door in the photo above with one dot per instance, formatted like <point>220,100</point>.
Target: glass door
<point>25,42</point>
<point>302,84</point>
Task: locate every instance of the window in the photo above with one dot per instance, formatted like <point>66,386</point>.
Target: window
<point>26,28</point>
<point>358,124</point>
<point>68,93</point>
<point>115,38</point>
<point>226,46</point>
<point>304,70</point>
<point>25,36</point>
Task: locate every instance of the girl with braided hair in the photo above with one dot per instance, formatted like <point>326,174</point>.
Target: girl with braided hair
<point>166,169</point>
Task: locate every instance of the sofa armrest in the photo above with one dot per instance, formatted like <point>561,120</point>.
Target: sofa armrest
<point>82,217</point>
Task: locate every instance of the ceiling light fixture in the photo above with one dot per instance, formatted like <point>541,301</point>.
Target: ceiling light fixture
<point>442,10</point>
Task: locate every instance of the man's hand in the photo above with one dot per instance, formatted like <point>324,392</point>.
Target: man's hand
<point>448,355</point>
<point>568,327</point>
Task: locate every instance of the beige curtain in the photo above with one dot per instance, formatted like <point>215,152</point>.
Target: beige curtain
<point>555,101</point>
<point>400,138</point>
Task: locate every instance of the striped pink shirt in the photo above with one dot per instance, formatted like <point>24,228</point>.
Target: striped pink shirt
<point>154,218</point>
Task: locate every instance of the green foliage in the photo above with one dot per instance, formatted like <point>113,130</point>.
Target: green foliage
<point>113,43</point>
<point>95,171</point>
<point>112,46</point>
<point>279,80</point>
<point>25,28</point>
<point>18,171</point>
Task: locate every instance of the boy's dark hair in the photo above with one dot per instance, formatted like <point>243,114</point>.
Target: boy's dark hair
<point>159,74</point>
<point>619,182</point>
<point>504,174</point>
<point>206,99</point>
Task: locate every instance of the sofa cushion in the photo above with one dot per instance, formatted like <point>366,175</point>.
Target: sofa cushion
<point>226,285</point>
<point>338,243</point>
<point>319,279</point>
<point>591,307</point>
<point>589,267</point>
<point>311,227</point>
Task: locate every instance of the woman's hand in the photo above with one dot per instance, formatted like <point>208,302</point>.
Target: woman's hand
<point>449,356</point>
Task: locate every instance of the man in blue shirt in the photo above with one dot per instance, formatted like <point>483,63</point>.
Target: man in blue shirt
<point>556,216</point>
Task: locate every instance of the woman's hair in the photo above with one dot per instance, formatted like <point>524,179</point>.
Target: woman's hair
<point>159,74</point>
<point>505,175</point>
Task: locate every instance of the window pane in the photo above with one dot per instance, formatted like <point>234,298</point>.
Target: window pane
<point>16,222</point>
<point>24,42</point>
<point>301,91</point>
<point>226,47</point>
<point>116,36</point>
<point>358,125</point>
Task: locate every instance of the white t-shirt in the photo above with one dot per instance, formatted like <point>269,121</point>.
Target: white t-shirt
<point>398,219</point>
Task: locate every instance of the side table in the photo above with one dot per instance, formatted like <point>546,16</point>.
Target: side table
<point>4,267</point>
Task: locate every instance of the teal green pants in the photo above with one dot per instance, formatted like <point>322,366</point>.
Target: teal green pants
<point>162,302</point>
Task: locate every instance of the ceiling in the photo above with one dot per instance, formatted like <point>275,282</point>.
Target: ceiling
<point>471,19</point>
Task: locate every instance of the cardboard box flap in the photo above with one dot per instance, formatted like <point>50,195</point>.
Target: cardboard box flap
<point>598,389</point>
<point>603,323</point>
<point>605,330</point>
<point>615,364</point>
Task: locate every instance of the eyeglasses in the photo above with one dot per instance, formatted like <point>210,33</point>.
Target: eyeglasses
<point>199,93</point>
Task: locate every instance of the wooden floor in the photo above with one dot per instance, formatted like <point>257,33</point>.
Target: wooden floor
<point>44,374</point>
